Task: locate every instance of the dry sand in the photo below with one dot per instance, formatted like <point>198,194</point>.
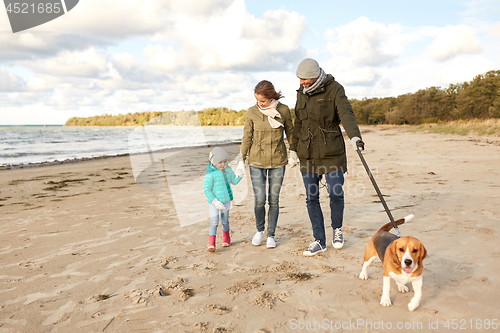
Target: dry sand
<point>84,249</point>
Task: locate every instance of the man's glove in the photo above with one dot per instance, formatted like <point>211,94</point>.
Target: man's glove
<point>293,159</point>
<point>240,169</point>
<point>357,143</point>
<point>219,205</point>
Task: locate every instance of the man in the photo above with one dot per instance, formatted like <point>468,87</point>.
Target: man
<point>317,139</point>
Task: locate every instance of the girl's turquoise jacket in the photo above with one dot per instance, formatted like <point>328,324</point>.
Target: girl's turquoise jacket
<point>217,184</point>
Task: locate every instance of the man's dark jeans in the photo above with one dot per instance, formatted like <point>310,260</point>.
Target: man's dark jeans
<point>334,182</point>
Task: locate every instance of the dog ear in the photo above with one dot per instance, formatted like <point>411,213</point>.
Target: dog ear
<point>423,252</point>
<point>391,253</point>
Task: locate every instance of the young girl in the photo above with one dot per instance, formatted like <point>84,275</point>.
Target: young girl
<point>217,188</point>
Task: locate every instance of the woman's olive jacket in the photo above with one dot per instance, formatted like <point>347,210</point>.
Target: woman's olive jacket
<point>263,146</point>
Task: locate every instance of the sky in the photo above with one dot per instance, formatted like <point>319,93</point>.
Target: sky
<point>125,56</point>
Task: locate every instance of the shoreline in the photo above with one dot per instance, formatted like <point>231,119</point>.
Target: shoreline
<point>86,159</point>
<point>488,139</point>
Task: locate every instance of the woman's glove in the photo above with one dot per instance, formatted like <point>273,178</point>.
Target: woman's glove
<point>219,205</point>
<point>240,169</point>
<point>293,159</point>
<point>357,143</point>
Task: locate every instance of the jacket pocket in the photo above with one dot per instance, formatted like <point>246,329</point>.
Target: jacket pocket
<point>303,145</point>
<point>279,155</point>
<point>331,142</point>
<point>256,150</point>
<point>325,101</point>
<point>300,111</point>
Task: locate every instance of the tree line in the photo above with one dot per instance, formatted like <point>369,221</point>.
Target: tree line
<point>477,99</point>
<point>207,117</point>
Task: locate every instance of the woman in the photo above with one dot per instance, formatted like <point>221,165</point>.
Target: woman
<point>264,149</point>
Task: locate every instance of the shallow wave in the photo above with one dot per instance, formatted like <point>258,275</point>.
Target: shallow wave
<point>46,144</point>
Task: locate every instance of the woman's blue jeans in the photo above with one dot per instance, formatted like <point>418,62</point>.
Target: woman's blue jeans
<point>214,218</point>
<point>334,182</point>
<point>274,177</point>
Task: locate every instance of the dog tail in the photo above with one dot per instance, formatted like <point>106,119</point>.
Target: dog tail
<point>388,226</point>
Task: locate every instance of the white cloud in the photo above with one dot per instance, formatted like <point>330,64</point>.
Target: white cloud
<point>87,63</point>
<point>366,43</point>
<point>37,83</point>
<point>495,32</point>
<point>453,41</point>
<point>113,80</point>
<point>461,69</point>
<point>139,96</point>
<point>26,45</point>
<point>361,51</point>
<point>210,35</point>
<point>231,40</point>
<point>199,8</point>
<point>10,82</point>
<point>131,69</point>
<point>163,59</point>
<point>114,19</point>
<point>345,69</point>
<point>185,35</point>
<point>91,23</point>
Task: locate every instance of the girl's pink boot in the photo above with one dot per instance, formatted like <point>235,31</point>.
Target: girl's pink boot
<point>226,239</point>
<point>211,243</point>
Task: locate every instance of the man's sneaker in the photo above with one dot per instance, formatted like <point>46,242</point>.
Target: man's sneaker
<point>338,239</point>
<point>313,249</point>
<point>271,244</point>
<point>257,238</point>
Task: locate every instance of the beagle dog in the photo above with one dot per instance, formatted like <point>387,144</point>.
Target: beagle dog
<point>402,259</point>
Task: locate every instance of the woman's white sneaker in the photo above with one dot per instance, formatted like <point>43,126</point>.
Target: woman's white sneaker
<point>257,238</point>
<point>271,244</point>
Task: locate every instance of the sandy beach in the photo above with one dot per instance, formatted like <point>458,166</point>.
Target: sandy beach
<point>83,248</point>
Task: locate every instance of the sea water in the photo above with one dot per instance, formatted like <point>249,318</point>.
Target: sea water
<point>37,144</point>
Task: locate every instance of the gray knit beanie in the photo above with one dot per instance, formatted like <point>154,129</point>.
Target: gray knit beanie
<point>308,69</point>
<point>216,155</point>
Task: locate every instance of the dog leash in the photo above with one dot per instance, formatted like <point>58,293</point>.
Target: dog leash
<point>378,192</point>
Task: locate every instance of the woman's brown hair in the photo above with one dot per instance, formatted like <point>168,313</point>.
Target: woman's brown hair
<point>266,89</point>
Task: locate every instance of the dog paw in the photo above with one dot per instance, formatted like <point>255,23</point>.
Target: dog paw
<point>402,288</point>
<point>413,305</point>
<point>386,302</point>
<point>363,275</point>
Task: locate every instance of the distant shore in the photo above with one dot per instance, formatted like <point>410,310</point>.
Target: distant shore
<point>131,126</point>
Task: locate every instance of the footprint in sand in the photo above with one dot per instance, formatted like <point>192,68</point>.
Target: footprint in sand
<point>243,286</point>
<point>219,309</point>
<point>265,299</point>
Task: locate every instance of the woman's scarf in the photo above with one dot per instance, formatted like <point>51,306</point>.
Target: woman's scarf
<point>271,113</point>
<point>321,79</point>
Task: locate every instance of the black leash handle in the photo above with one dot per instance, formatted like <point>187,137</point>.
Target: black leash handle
<point>378,192</point>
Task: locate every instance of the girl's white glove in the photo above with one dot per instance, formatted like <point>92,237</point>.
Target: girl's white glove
<point>293,159</point>
<point>240,169</point>
<point>219,205</point>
